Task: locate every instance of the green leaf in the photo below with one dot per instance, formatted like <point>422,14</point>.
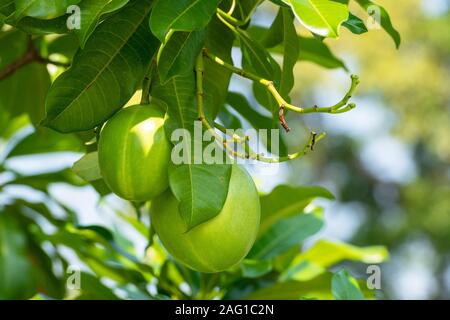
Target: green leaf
<point>41,27</point>
<point>181,15</point>
<point>241,105</point>
<point>291,50</point>
<point>311,49</point>
<point>281,3</point>
<point>244,9</point>
<point>229,120</point>
<point>255,268</point>
<point>385,22</point>
<point>285,201</point>
<point>324,254</point>
<point>179,95</point>
<point>284,234</point>
<point>66,45</point>
<point>219,41</point>
<point>42,9</point>
<point>44,140</point>
<point>7,8</point>
<point>322,17</point>
<point>200,189</point>
<point>87,167</point>
<point>26,89</point>
<point>16,271</point>
<point>355,24</point>
<point>345,287</point>
<point>179,53</point>
<point>91,12</point>
<point>318,288</point>
<point>316,51</point>
<point>42,181</point>
<point>256,59</point>
<point>105,74</point>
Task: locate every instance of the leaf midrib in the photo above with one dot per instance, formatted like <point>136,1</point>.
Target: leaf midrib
<point>322,17</point>
<point>182,13</point>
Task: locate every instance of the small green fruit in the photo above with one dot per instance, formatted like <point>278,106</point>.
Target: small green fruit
<point>134,153</point>
<point>217,244</point>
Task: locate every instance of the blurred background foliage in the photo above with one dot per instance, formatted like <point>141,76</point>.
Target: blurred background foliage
<point>386,162</point>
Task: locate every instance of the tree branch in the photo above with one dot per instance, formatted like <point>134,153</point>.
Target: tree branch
<point>31,55</point>
<point>283,105</point>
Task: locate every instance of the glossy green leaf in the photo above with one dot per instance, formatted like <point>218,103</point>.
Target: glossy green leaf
<point>282,3</point>
<point>284,234</point>
<point>42,27</point>
<point>325,254</point>
<point>219,41</point>
<point>311,49</point>
<point>385,22</point>
<point>291,50</point>
<point>355,24</point>
<point>42,9</point>
<point>87,167</point>
<point>179,96</point>
<point>91,12</point>
<point>285,201</point>
<point>345,287</point>
<point>322,17</point>
<point>105,74</point>
<point>179,53</point>
<point>201,190</point>
<point>256,59</point>
<point>181,15</point>
<point>255,268</point>
<point>245,9</point>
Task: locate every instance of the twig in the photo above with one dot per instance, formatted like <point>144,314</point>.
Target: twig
<point>147,84</point>
<point>31,55</point>
<point>243,141</point>
<point>283,105</point>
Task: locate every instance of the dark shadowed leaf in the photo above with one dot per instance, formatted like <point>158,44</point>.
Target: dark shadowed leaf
<point>179,54</point>
<point>285,201</point>
<point>355,24</point>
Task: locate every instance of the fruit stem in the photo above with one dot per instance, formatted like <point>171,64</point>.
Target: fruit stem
<point>242,141</point>
<point>146,84</point>
<point>340,107</point>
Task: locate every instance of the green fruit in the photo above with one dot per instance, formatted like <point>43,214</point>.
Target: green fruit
<point>134,153</point>
<point>217,244</point>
